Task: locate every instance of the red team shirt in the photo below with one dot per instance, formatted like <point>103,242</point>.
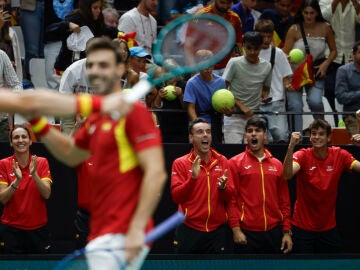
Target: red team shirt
<point>317,187</point>
<point>116,176</point>
<point>26,210</point>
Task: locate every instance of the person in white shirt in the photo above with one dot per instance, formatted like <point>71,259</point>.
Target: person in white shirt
<point>280,83</point>
<point>343,15</point>
<point>140,20</point>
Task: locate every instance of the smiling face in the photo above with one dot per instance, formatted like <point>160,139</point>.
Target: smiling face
<point>102,70</point>
<point>20,140</point>
<point>319,137</point>
<point>201,138</point>
<point>256,137</point>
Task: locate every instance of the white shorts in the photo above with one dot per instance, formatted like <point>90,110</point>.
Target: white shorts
<point>113,254</point>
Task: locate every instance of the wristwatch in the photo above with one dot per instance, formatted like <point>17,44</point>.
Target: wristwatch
<point>289,232</point>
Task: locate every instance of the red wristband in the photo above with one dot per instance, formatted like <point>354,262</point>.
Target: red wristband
<point>40,126</point>
<point>87,104</point>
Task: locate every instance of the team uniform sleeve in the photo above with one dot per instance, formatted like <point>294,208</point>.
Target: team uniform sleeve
<point>233,209</point>
<point>348,160</point>
<point>298,158</point>
<point>181,183</point>
<point>43,170</point>
<point>3,173</point>
<point>141,129</point>
<point>284,200</point>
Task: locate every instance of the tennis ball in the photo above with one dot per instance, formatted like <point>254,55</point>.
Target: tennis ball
<point>222,98</point>
<point>296,55</point>
<point>126,90</point>
<point>170,92</point>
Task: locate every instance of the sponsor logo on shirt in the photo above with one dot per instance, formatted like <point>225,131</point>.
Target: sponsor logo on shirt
<point>247,167</point>
<point>92,129</point>
<point>218,168</point>
<point>106,126</point>
<point>329,168</point>
<point>173,173</point>
<point>312,168</point>
<point>272,169</point>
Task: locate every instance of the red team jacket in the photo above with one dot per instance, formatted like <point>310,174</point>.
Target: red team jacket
<point>261,193</point>
<point>202,202</point>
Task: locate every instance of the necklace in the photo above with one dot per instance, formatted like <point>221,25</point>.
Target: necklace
<point>143,27</point>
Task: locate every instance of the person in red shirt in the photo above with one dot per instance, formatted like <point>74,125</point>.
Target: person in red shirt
<point>129,168</point>
<point>25,185</point>
<point>318,170</point>
<point>260,212</point>
<point>201,186</point>
<point>222,9</point>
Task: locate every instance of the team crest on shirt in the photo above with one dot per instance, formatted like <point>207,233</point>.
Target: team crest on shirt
<point>329,168</point>
<point>106,126</point>
<point>272,169</point>
<point>218,168</point>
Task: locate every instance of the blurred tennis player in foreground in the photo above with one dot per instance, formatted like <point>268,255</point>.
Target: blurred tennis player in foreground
<point>129,171</point>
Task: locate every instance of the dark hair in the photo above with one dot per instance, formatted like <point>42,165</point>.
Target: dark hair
<point>356,46</point>
<point>309,3</point>
<point>17,127</point>
<point>264,26</point>
<point>117,42</point>
<point>98,26</point>
<point>257,122</point>
<point>253,38</point>
<point>194,122</point>
<point>104,43</point>
<point>320,123</point>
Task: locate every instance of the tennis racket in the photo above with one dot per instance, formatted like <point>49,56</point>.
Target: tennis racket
<point>202,32</point>
<point>112,258</point>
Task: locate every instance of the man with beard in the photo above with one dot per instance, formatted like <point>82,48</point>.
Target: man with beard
<point>202,187</point>
<point>127,159</point>
<point>260,212</point>
<point>318,170</point>
<point>222,9</point>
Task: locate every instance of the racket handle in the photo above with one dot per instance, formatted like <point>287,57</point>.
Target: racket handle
<point>139,90</point>
<point>165,226</point>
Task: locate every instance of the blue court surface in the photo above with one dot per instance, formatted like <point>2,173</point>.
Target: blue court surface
<point>208,262</point>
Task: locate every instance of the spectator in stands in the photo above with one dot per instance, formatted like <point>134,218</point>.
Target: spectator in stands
<point>137,62</point>
<point>247,14</point>
<point>89,14</point>
<point>318,170</point>
<point>280,83</point>
<point>111,17</point>
<point>32,25</point>
<point>8,78</point>
<point>347,89</point>
<point>198,93</point>
<point>249,78</point>
<point>186,7</point>
<point>343,15</point>
<point>202,187</point>
<point>173,124</point>
<point>260,212</point>
<point>25,185</point>
<point>5,40</point>
<point>140,20</point>
<point>282,19</point>
<point>222,9</point>
<point>319,35</point>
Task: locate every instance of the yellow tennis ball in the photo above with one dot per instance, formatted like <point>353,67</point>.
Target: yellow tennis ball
<point>126,90</point>
<point>296,55</point>
<point>170,92</point>
<point>222,98</point>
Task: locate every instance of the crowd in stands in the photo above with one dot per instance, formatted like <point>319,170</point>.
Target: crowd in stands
<point>47,26</point>
<point>265,82</point>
